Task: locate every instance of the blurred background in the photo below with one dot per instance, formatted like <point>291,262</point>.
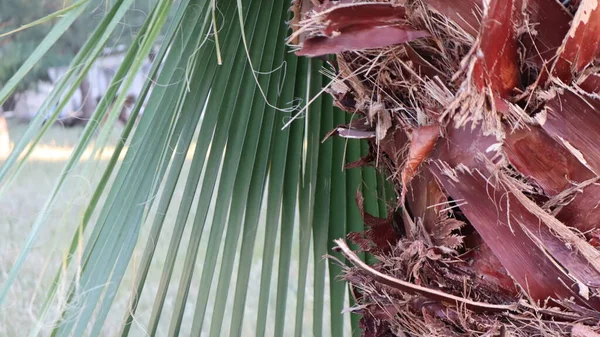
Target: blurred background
<point>17,46</point>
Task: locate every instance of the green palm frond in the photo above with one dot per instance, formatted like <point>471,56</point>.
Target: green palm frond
<point>248,175</point>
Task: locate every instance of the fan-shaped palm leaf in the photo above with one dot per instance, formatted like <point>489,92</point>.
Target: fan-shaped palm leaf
<point>244,164</point>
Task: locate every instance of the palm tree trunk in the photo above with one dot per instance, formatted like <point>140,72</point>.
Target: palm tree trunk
<point>490,134</point>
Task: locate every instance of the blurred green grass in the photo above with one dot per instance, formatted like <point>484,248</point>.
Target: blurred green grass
<point>20,205</point>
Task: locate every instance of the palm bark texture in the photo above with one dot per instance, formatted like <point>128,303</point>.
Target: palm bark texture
<point>485,115</point>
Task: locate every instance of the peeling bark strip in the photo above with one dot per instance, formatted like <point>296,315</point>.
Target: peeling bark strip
<point>496,56</point>
<point>422,141</point>
<point>582,44</point>
<point>358,26</point>
<point>575,122</point>
<point>591,84</point>
<point>359,38</point>
<point>344,16</point>
<point>556,170</point>
<point>535,154</point>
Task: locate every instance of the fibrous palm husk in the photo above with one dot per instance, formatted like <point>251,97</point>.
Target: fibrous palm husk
<point>485,115</point>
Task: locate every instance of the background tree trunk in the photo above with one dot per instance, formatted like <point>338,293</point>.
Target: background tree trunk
<point>9,104</point>
<point>88,104</point>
